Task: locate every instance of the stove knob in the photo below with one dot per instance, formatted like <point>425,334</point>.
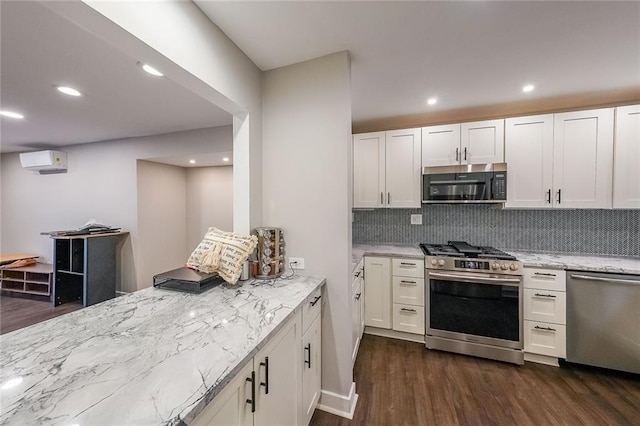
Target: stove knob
<point>513,267</point>
<point>434,262</point>
<point>441,262</point>
<point>495,266</point>
<point>504,267</point>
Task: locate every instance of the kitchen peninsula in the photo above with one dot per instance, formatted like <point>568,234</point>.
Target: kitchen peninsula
<point>150,357</point>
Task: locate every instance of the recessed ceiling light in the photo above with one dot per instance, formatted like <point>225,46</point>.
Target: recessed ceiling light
<point>192,161</point>
<point>151,70</point>
<point>68,91</point>
<point>432,101</point>
<point>11,114</point>
<point>528,88</point>
<point>225,159</point>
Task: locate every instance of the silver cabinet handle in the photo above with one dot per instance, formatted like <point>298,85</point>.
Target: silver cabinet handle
<point>357,296</point>
<point>544,328</point>
<point>407,264</point>
<point>408,282</point>
<point>409,310</point>
<point>544,295</point>
<point>608,280</point>
<point>542,274</point>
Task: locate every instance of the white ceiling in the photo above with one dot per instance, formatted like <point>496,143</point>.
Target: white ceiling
<point>40,49</point>
<point>466,53</point>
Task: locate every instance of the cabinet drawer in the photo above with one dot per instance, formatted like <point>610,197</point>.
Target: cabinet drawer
<point>545,279</point>
<point>545,339</point>
<point>408,318</point>
<point>311,308</point>
<point>408,291</point>
<point>408,268</point>
<point>545,305</point>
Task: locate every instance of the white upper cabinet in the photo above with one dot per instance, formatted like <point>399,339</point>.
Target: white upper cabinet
<point>626,172</point>
<point>529,158</point>
<point>387,169</point>
<point>441,145</point>
<point>479,142</point>
<point>482,142</point>
<point>403,174</point>
<point>560,161</point>
<point>368,169</point>
<point>583,159</point>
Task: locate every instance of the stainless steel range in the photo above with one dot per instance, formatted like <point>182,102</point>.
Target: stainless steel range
<point>474,301</point>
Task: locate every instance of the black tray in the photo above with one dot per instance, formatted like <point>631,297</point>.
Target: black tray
<point>187,280</point>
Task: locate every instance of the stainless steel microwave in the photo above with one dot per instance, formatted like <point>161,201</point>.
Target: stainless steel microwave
<point>473,183</point>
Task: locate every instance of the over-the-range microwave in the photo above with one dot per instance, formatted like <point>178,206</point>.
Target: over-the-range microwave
<point>473,183</point>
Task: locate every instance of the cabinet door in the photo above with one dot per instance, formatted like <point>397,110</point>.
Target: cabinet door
<point>529,158</point>
<point>361,308</point>
<point>441,145</point>
<point>403,174</point>
<point>311,369</point>
<point>482,142</point>
<point>277,385</point>
<point>377,295</point>
<point>356,317</point>
<point>626,171</point>
<point>230,406</point>
<point>368,170</point>
<point>583,159</point>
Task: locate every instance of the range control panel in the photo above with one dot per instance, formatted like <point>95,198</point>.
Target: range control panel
<point>489,266</point>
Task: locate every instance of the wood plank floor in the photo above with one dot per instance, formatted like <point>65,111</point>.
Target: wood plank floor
<point>403,383</point>
<point>21,311</point>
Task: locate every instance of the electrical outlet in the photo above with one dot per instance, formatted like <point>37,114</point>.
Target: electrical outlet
<point>296,262</point>
<point>416,219</point>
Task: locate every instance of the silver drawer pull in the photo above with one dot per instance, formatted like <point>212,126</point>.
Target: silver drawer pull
<point>408,282</point>
<point>544,328</point>
<point>408,310</point>
<point>407,264</point>
<point>543,274</point>
<point>609,280</point>
<point>357,296</point>
<point>543,295</point>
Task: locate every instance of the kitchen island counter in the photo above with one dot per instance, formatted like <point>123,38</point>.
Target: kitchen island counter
<point>147,358</point>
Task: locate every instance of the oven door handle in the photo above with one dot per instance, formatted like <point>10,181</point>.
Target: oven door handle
<point>479,280</point>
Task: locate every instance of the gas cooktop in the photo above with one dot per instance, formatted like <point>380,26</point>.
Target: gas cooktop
<point>466,250</point>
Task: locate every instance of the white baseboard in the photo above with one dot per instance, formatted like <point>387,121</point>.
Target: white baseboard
<point>418,338</point>
<point>340,405</point>
<point>541,359</point>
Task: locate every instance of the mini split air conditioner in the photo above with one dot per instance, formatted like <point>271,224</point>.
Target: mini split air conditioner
<point>45,162</point>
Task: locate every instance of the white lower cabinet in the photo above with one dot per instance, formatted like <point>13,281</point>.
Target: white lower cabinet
<point>281,384</point>
<point>544,301</point>
<point>357,310</point>
<point>394,294</point>
<point>311,369</point>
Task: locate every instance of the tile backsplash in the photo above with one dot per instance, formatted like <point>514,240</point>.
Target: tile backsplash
<point>608,232</point>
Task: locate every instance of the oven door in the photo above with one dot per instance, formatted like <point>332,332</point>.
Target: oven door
<point>477,308</point>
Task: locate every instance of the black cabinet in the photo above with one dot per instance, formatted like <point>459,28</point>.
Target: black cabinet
<point>85,268</point>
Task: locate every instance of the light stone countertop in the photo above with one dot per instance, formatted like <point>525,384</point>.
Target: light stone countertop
<point>153,357</point>
<point>611,264</point>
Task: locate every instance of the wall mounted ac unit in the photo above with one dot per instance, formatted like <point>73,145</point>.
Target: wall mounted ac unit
<point>45,162</point>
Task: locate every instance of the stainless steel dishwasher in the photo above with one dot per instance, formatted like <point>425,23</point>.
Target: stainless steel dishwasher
<point>603,320</point>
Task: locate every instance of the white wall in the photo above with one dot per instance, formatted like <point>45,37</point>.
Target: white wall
<point>162,219</point>
<point>307,164</point>
<point>100,184</point>
<point>209,202</point>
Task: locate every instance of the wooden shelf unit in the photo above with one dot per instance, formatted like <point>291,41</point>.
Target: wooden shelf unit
<point>34,279</point>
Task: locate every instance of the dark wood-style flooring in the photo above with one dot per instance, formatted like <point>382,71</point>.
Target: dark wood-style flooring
<point>403,383</point>
<point>22,310</point>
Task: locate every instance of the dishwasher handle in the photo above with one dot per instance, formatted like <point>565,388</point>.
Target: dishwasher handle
<point>608,280</point>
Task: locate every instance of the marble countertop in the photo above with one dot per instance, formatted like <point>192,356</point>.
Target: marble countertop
<point>622,265</point>
<point>612,264</point>
<point>147,358</point>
